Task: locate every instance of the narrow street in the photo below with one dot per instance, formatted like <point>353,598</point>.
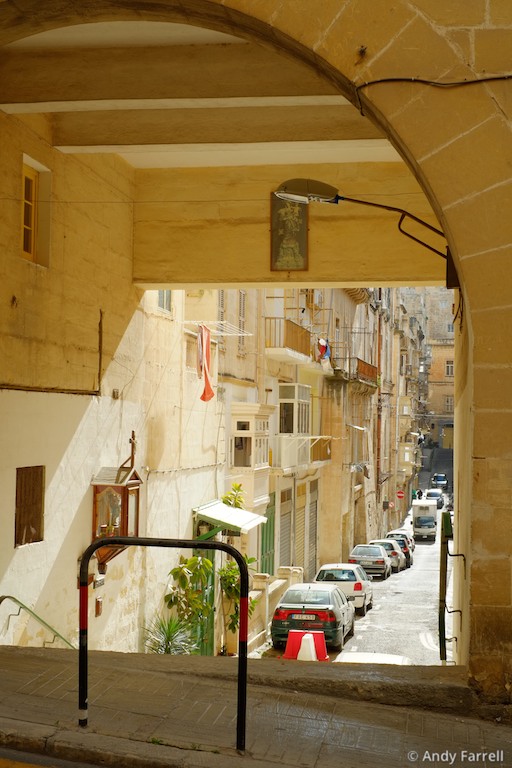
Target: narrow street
<point>404,619</point>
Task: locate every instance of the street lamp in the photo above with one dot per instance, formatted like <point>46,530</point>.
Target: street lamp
<point>304,191</point>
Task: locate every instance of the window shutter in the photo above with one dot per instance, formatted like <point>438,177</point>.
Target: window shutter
<point>29,514</point>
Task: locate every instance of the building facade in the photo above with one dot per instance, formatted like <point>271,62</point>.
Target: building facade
<point>153,194</point>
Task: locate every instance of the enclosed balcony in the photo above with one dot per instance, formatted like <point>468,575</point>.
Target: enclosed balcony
<point>292,451</point>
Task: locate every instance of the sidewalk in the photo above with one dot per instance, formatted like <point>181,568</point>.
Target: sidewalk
<point>152,711</point>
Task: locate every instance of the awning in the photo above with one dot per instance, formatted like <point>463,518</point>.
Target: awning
<point>230,518</point>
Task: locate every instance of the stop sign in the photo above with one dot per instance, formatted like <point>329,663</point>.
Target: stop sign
<point>400,494</point>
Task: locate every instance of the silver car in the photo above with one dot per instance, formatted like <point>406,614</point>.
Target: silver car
<point>373,558</point>
<point>394,551</point>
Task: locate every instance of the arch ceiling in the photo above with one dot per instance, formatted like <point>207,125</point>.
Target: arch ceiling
<point>167,94</point>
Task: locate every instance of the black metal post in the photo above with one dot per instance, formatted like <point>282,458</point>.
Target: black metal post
<point>129,541</point>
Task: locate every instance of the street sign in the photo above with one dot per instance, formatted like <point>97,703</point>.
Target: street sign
<point>400,494</point>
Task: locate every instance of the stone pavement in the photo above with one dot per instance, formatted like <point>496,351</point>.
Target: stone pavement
<point>148,711</point>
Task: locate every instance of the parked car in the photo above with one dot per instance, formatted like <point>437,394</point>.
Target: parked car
<point>314,606</point>
<point>400,533</point>
<point>404,540</point>
<point>352,580</point>
<point>437,494</point>
<point>394,550</point>
<point>439,480</point>
<point>373,558</point>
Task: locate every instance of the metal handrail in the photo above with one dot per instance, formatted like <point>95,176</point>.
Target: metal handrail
<point>37,618</point>
<point>128,541</point>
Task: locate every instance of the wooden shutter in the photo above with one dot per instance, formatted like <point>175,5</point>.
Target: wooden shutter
<point>29,514</point>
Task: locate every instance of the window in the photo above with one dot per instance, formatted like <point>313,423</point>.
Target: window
<point>29,514</point>
<point>30,183</point>
<point>35,212</point>
<point>448,403</point>
<point>164,300</point>
<point>449,368</point>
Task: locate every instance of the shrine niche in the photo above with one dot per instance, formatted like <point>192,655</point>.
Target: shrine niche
<point>115,506</point>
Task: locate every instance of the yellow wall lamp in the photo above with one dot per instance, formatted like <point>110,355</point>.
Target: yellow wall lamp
<point>304,191</point>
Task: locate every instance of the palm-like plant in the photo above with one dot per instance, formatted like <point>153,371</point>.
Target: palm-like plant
<point>169,634</point>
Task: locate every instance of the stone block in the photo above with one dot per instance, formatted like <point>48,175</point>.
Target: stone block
<point>491,577</point>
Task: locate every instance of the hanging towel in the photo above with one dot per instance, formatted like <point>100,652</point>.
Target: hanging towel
<point>203,361</point>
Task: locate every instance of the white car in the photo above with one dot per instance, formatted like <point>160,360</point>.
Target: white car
<point>394,550</point>
<point>353,582</point>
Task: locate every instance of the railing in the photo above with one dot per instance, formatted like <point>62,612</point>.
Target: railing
<point>294,450</point>
<point>321,449</point>
<point>283,333</point>
<point>366,371</point>
<point>42,622</point>
<point>353,367</point>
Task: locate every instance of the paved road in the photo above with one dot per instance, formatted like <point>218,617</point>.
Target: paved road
<point>404,619</point>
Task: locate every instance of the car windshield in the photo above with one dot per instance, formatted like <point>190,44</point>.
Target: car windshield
<point>364,550</point>
<point>337,574</point>
<point>434,494</point>
<point>424,520</point>
<point>307,596</point>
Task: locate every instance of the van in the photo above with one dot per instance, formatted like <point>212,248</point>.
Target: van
<point>424,519</point>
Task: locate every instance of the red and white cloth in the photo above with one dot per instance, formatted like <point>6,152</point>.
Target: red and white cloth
<point>203,361</point>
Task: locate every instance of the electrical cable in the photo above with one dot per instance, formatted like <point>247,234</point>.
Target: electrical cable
<point>425,81</point>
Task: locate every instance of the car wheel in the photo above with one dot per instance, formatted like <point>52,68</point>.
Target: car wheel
<point>350,633</point>
<point>370,603</point>
<point>278,644</point>
<point>338,645</point>
<point>362,610</point>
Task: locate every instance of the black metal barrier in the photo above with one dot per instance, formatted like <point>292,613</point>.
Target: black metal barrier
<point>130,541</point>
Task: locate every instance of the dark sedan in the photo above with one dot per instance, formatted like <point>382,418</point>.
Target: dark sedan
<point>314,606</point>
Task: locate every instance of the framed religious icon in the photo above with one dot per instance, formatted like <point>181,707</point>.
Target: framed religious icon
<point>289,235</point>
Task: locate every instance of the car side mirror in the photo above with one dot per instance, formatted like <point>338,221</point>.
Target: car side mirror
<point>370,577</point>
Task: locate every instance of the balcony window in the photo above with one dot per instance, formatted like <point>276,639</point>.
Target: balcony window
<point>294,409</point>
<point>250,435</point>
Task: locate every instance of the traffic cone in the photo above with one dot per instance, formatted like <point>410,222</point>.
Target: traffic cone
<point>307,650</point>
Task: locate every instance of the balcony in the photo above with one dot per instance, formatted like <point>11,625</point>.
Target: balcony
<point>353,368</point>
<point>299,450</point>
<point>287,342</point>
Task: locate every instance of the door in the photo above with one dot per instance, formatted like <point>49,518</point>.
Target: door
<point>267,541</point>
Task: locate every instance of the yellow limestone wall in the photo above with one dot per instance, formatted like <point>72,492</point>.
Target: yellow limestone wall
<point>457,143</point>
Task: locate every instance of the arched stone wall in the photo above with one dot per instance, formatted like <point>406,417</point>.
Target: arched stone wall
<point>391,62</point>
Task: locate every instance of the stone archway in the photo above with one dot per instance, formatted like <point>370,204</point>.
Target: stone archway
<point>390,63</point>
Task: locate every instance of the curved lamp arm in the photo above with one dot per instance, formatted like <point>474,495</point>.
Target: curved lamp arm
<point>304,191</point>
